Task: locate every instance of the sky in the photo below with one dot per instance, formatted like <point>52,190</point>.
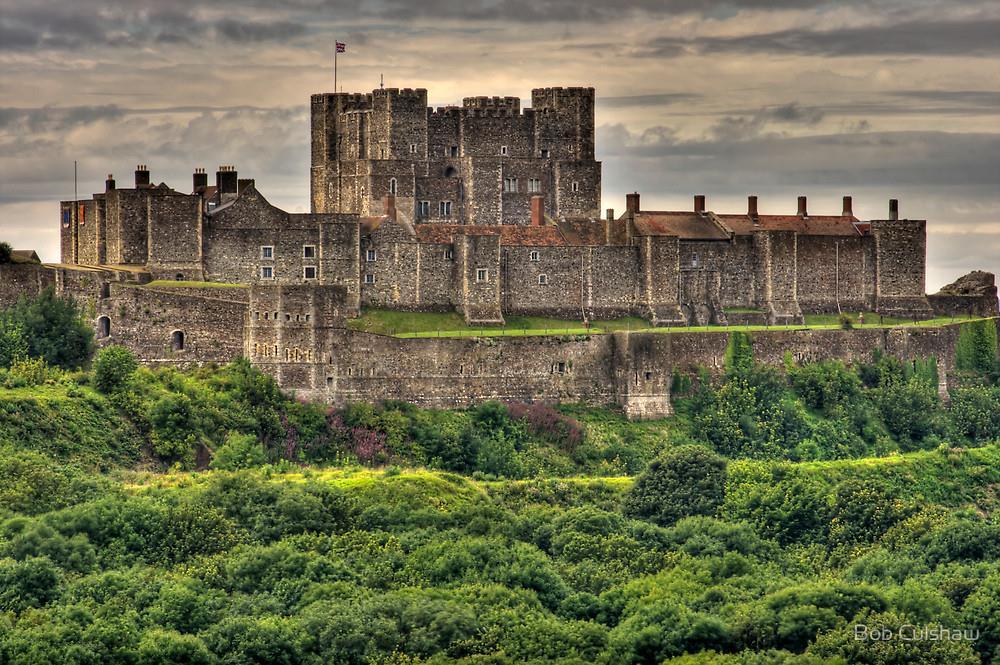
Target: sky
<point>878,99</point>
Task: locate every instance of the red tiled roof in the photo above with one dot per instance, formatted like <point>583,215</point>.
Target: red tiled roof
<point>684,225</point>
<point>534,236</point>
<point>815,225</point>
<point>584,231</point>
<point>369,224</point>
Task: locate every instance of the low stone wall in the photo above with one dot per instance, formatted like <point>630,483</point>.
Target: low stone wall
<point>960,306</point>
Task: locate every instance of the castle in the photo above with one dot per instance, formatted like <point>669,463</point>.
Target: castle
<point>489,210</point>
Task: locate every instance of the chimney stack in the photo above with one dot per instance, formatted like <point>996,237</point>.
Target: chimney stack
<point>699,203</point>
<point>226,180</point>
<point>632,203</point>
<point>537,211</point>
<point>609,214</point>
<point>893,209</point>
<point>199,179</point>
<point>803,212</point>
<point>389,206</point>
<point>752,208</point>
<point>848,207</point>
<point>109,184</point>
<point>141,176</point>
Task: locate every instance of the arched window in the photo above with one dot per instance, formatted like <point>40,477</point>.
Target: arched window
<point>179,277</point>
<point>450,172</point>
<point>177,340</point>
<point>103,327</point>
<point>105,290</point>
<point>392,186</point>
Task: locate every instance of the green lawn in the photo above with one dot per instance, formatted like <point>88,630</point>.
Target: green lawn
<point>194,285</point>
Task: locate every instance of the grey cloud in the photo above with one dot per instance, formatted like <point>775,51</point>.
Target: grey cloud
<point>985,99</point>
<point>55,119</point>
<point>969,37</point>
<point>742,127</point>
<point>257,31</point>
<point>658,99</point>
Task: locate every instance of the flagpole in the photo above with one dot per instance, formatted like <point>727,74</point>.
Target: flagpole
<point>335,49</point>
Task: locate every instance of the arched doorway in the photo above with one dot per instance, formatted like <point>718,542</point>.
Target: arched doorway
<point>177,340</point>
<point>103,327</point>
<point>179,277</point>
<point>450,172</point>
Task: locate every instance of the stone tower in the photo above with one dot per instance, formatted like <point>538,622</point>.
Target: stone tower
<point>476,164</point>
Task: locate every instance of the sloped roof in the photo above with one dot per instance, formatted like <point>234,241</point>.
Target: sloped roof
<point>684,225</point>
<point>533,236</point>
<point>583,231</point>
<point>815,225</point>
<point>24,256</point>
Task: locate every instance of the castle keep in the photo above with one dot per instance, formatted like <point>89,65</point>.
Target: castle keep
<point>488,210</point>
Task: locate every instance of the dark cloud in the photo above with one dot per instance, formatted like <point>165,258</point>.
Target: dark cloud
<point>54,119</point>
<point>743,127</point>
<point>257,31</point>
<point>658,99</point>
<point>984,99</point>
<point>968,37</point>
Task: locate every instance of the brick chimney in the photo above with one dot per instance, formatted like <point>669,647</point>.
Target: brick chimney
<point>609,214</point>
<point>893,209</point>
<point>389,206</point>
<point>848,207</point>
<point>227,180</point>
<point>699,203</point>
<point>752,208</point>
<point>632,203</point>
<point>109,184</point>
<point>803,211</point>
<point>537,211</point>
<point>199,180</point>
<point>141,176</point>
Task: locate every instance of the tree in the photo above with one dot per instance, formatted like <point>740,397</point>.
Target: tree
<point>240,451</point>
<point>686,481</point>
<point>53,327</point>
<point>5,252</point>
<point>166,647</point>
<point>113,369</point>
<point>13,343</point>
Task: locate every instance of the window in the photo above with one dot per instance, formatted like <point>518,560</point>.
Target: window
<point>482,274</point>
<point>543,280</point>
<point>266,272</point>
<point>309,251</point>
<point>103,327</point>
<point>392,186</point>
<point>534,185</point>
<point>533,256</point>
<point>444,209</point>
<point>371,255</point>
<point>694,260</point>
<point>413,148</point>
<point>66,217</point>
<point>453,151</point>
<point>105,290</point>
<point>179,277</point>
<point>267,252</point>
<point>424,209</point>
<point>510,184</point>
<point>177,340</point>
<point>503,150</point>
<point>369,278</point>
<point>575,186</point>
<point>545,153</point>
<point>561,368</point>
<point>449,253</point>
<point>309,272</point>
<point>649,376</point>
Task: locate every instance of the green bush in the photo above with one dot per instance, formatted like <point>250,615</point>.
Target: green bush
<point>114,368</point>
<point>53,327</point>
<point>6,252</point>
<point>686,481</point>
<point>240,451</point>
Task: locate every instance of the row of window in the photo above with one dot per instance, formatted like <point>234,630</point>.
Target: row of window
<point>308,272</point>
<point>482,275</point>
<point>267,316</point>
<point>267,252</point>
<point>424,208</point>
<point>510,185</point>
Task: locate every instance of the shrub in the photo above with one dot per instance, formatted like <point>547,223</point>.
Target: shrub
<point>686,481</point>
<point>976,349</point>
<point>174,433</point>
<point>30,372</point>
<point>975,412</point>
<point>13,343</point>
<point>5,252</point>
<point>826,385</point>
<point>546,423</point>
<point>845,321</point>
<point>240,451</point>
<point>114,368</point>
<point>54,329</point>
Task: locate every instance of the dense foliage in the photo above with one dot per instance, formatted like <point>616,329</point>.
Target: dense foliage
<point>47,327</point>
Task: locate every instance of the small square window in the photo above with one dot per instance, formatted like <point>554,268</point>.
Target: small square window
<point>266,272</point>
<point>449,253</point>
<point>371,255</point>
<point>534,185</point>
<point>413,148</point>
<point>453,151</point>
<point>267,252</point>
<point>309,272</point>
<point>369,278</point>
<point>444,209</point>
<point>424,209</point>
<point>575,186</point>
<point>545,153</point>
<point>543,280</point>
<point>482,274</point>
<point>533,255</point>
<point>503,150</point>
<point>510,184</point>
<point>561,368</point>
<point>309,251</point>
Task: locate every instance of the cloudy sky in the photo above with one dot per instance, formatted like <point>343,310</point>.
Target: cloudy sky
<point>875,98</point>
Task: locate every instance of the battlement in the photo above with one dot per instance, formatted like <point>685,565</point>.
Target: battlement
<point>513,103</point>
<point>557,97</point>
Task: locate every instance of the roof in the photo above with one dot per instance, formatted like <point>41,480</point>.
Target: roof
<point>533,236</point>
<point>585,231</point>
<point>24,256</point>
<point>815,225</point>
<point>684,225</point>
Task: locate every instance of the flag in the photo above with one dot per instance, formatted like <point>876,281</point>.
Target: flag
<point>341,47</point>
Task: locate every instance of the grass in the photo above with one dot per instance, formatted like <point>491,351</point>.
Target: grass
<point>870,318</point>
<point>194,285</point>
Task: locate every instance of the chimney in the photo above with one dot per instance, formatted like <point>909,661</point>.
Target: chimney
<point>109,184</point>
<point>199,180</point>
<point>893,209</point>
<point>141,176</point>
<point>699,203</point>
<point>226,180</point>
<point>632,203</point>
<point>752,208</point>
<point>389,206</point>
<point>537,211</point>
<point>848,207</point>
<point>802,207</point>
<point>609,214</point>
